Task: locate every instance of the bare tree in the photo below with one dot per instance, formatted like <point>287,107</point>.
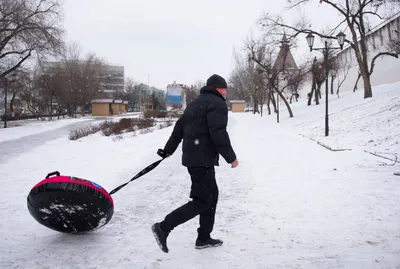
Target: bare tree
<point>141,90</point>
<point>30,93</point>
<point>355,15</point>
<point>131,94</point>
<point>199,84</point>
<point>244,74</point>
<point>296,80</point>
<point>236,90</point>
<point>16,86</point>
<point>90,80</point>
<point>28,28</point>
<point>191,93</point>
<point>318,78</point>
<point>340,81</point>
<point>52,85</point>
<point>274,67</point>
<point>82,78</point>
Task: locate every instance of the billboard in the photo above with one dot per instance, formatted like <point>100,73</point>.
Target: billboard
<point>174,96</point>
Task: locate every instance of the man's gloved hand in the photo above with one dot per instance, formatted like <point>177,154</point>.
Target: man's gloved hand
<point>162,153</point>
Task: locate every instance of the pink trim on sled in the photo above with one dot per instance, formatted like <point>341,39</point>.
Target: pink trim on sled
<point>67,179</point>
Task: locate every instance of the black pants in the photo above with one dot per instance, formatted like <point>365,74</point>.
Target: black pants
<point>204,194</point>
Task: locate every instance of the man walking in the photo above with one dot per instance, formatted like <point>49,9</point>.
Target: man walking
<point>202,127</point>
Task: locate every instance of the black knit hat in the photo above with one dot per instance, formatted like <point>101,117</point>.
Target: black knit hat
<point>217,82</point>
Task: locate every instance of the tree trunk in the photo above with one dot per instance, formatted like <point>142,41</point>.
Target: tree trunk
<point>51,107</point>
<point>286,103</point>
<point>317,94</point>
<point>332,79</point>
<point>12,102</point>
<point>355,85</point>
<point>361,52</point>
<point>272,100</point>
<point>367,87</point>
<point>34,111</point>
<point>256,106</point>
<point>310,94</point>
<point>59,110</point>
<point>319,89</point>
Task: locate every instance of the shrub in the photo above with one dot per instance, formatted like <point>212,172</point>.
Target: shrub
<point>112,128</point>
<point>174,114</point>
<point>146,131</point>
<point>117,138</point>
<point>127,125</point>
<point>155,114</point>
<point>75,134</point>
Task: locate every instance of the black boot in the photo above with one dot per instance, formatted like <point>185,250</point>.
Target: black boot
<point>160,236</point>
<point>208,243</point>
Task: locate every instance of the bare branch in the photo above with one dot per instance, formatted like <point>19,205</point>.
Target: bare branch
<point>336,6</point>
<point>296,3</point>
<point>269,22</point>
<point>373,13</point>
<point>396,55</point>
<point>28,27</point>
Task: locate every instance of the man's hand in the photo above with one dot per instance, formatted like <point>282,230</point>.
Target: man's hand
<point>163,154</point>
<point>235,163</point>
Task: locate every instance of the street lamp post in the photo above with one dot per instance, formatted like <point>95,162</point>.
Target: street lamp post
<point>310,40</point>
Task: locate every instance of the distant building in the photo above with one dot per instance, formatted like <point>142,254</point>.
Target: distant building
<point>238,105</point>
<point>285,60</point>
<point>176,96</point>
<point>112,78</point>
<point>108,107</point>
<point>113,81</point>
<point>285,64</point>
<point>146,101</point>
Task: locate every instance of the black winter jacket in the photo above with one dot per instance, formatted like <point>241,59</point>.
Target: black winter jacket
<point>203,130</point>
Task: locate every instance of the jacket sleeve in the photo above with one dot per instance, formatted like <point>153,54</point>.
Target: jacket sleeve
<point>176,137</point>
<point>217,120</point>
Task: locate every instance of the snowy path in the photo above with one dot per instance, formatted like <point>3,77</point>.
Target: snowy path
<point>43,132</point>
<point>14,147</point>
<point>290,204</point>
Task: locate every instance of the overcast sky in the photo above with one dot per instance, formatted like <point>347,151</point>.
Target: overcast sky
<point>172,40</point>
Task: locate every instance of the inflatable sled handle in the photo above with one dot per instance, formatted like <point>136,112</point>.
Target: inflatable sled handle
<point>55,173</point>
<point>161,153</point>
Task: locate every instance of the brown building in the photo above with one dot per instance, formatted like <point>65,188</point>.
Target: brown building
<point>108,107</point>
<point>238,105</point>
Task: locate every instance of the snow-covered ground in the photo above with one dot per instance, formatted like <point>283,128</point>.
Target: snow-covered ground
<point>32,127</point>
<point>371,124</point>
<point>35,127</point>
<point>291,203</point>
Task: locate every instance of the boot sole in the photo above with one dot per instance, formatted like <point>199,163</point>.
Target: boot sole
<point>208,246</point>
<point>153,229</point>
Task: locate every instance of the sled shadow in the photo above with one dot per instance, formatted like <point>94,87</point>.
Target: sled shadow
<point>79,239</point>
